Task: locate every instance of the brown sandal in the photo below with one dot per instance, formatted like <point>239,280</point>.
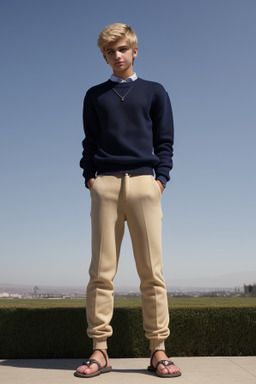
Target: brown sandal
<point>101,370</point>
<point>165,363</point>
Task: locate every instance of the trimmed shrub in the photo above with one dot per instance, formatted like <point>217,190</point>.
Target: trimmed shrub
<point>61,332</point>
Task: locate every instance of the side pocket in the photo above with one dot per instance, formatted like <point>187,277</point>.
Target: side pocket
<point>157,186</point>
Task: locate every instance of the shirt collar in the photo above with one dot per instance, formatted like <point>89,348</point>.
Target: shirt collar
<point>119,80</point>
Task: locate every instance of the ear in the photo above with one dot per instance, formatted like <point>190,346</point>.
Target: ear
<point>135,52</point>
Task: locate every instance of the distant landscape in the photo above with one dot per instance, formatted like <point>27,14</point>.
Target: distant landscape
<point>133,302</point>
<point>12,291</point>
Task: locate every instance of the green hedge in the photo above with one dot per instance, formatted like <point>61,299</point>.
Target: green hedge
<point>61,332</point>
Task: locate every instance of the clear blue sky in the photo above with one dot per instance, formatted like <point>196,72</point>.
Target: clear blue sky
<point>203,52</point>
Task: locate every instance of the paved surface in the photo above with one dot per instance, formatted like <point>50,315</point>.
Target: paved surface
<point>195,370</point>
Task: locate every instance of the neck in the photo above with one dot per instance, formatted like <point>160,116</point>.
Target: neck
<point>123,75</point>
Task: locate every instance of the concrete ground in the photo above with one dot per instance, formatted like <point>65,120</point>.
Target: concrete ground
<point>195,370</point>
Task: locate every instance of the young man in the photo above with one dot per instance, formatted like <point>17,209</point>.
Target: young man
<point>126,161</point>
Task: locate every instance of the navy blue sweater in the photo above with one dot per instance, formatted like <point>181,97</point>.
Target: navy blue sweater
<point>133,136</point>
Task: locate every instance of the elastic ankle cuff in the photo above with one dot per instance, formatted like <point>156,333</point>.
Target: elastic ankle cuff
<point>100,344</point>
<point>154,345</point>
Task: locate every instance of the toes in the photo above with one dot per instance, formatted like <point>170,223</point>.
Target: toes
<point>173,369</point>
<point>163,371</point>
<point>84,370</point>
<point>167,370</point>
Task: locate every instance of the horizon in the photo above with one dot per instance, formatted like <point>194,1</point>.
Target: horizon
<point>135,288</point>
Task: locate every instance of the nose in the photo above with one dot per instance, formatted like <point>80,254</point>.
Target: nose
<point>117,55</point>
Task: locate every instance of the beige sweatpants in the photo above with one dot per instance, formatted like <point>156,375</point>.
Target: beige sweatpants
<point>137,200</point>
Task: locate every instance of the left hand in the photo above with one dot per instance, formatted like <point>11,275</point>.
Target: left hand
<point>160,185</point>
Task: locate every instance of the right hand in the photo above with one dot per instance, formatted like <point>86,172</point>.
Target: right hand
<point>90,183</point>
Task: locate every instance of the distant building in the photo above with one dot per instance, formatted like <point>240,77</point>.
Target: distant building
<point>250,290</point>
<point>4,295</point>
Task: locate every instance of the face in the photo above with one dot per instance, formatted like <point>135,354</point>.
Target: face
<point>119,55</point>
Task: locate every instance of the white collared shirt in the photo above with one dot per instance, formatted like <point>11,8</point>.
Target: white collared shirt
<point>119,80</point>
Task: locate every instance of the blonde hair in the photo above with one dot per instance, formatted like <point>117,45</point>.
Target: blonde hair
<point>114,32</point>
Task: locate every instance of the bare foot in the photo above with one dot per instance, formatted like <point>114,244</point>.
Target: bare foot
<point>162,369</point>
<point>97,355</point>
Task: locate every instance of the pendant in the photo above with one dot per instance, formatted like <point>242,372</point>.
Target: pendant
<point>122,97</point>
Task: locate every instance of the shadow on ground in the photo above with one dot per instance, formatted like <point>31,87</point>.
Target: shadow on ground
<point>60,364</point>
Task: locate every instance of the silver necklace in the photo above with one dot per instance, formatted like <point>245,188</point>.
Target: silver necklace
<point>122,97</point>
